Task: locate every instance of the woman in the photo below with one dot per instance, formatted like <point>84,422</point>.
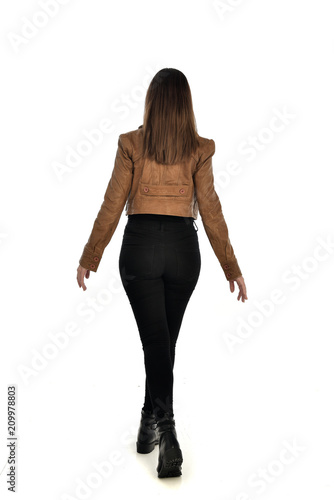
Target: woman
<point>163,173</point>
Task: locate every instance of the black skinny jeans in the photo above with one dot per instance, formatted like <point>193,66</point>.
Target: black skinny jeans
<point>159,265</point>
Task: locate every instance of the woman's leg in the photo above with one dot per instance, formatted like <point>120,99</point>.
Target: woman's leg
<point>182,269</point>
<point>159,267</point>
<point>148,305</point>
<point>176,301</point>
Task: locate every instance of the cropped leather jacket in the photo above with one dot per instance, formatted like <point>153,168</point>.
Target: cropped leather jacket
<point>143,186</point>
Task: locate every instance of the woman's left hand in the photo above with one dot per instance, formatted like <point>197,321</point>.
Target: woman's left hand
<point>81,274</point>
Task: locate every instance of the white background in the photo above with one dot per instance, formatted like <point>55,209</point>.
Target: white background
<point>242,395</point>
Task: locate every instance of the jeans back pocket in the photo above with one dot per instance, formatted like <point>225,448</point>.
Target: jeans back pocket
<point>136,260</point>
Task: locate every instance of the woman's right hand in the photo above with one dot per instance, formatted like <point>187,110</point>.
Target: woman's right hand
<point>242,288</point>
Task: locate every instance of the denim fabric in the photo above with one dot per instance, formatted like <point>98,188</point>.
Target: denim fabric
<point>159,265</point>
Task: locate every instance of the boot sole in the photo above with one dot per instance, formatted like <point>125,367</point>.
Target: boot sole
<point>146,448</point>
<point>171,463</point>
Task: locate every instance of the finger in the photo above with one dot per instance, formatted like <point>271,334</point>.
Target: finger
<point>243,290</point>
<point>80,279</point>
<point>82,283</point>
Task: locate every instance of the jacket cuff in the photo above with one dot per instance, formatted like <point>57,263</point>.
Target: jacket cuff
<point>90,260</point>
<point>231,270</point>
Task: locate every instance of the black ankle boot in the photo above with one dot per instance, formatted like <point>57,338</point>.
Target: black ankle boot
<point>147,436</point>
<point>170,454</point>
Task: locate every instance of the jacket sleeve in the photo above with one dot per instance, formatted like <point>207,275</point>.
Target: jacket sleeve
<point>115,197</point>
<point>211,213</point>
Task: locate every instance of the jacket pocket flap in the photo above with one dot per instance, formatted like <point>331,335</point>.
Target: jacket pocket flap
<point>164,190</point>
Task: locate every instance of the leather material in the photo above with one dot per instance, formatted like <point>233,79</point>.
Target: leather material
<point>147,436</point>
<point>141,186</point>
<point>170,455</point>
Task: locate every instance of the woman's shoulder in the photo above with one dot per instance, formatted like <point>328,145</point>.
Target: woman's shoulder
<point>133,139</point>
<point>207,147</point>
<point>205,142</point>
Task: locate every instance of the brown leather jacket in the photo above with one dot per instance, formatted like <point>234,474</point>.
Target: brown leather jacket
<point>147,187</point>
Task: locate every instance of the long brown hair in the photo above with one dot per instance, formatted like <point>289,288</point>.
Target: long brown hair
<point>169,125</point>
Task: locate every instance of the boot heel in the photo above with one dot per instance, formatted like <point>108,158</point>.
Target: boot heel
<point>171,463</point>
<point>145,448</point>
